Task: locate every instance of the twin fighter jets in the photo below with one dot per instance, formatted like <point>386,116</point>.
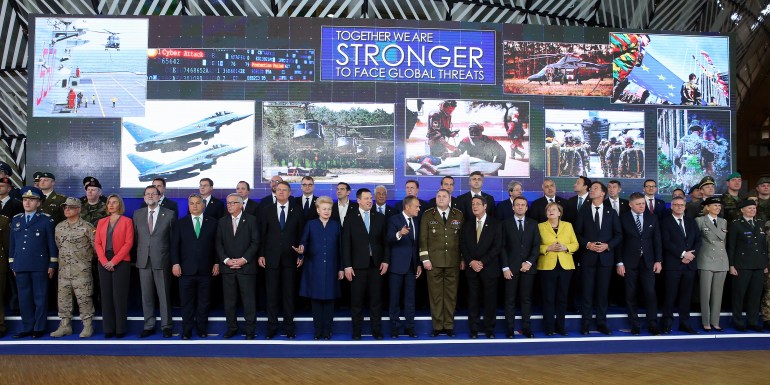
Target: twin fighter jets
<point>181,139</point>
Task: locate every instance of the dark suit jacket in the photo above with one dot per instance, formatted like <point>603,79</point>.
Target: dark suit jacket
<point>11,208</point>
<point>195,255</point>
<point>504,210</point>
<point>215,208</point>
<point>649,241</point>
<point>660,207</point>
<point>399,208</point>
<point>357,243</point>
<point>520,246</point>
<point>352,208</point>
<point>390,211</point>
<point>276,243</point>
<point>622,204</point>
<point>311,213</point>
<point>487,249</point>
<point>266,200</point>
<point>571,209</point>
<point>252,208</point>
<point>244,244</point>
<point>168,204</point>
<point>536,210</point>
<point>675,243</point>
<point>610,233</point>
<point>403,252</point>
<point>464,203</point>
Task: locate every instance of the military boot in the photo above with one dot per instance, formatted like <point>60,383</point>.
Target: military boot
<point>65,328</point>
<point>88,329</point>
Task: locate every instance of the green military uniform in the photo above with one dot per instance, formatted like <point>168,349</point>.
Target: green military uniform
<point>76,251</point>
<point>612,159</point>
<point>552,159</point>
<point>52,206</point>
<point>571,161</point>
<point>747,253</point>
<point>766,298</point>
<point>5,233</point>
<point>763,209</point>
<point>631,164</point>
<point>730,209</point>
<point>440,245</point>
<point>694,209</point>
<point>93,213</point>
<point>602,151</point>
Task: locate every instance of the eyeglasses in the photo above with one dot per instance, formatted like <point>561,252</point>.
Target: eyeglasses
<point>150,194</point>
<point>233,203</point>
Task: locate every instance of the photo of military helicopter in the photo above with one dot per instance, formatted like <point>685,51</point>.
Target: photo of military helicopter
<point>557,69</point>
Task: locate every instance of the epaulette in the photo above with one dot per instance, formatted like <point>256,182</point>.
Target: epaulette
<point>19,215</point>
<point>457,210</point>
<point>431,210</point>
<point>42,213</point>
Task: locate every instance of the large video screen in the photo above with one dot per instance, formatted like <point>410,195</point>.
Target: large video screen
<point>372,102</point>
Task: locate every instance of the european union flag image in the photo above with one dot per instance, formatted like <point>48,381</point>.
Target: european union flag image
<point>670,69</point>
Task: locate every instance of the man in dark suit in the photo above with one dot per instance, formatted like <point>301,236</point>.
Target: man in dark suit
<point>574,204</point>
<point>448,184</point>
<point>193,259</point>
<point>343,207</point>
<point>537,210</point>
<point>747,253</point>
<point>412,188</point>
<point>504,209</point>
<point>10,206</point>
<point>640,260</point>
<point>521,247</point>
<point>619,204</point>
<point>380,202</point>
<point>249,206</point>
<point>481,244</point>
<point>307,200</point>
<point>33,259</point>
<point>404,268</point>
<point>280,229</point>
<point>476,181</point>
<point>237,245</point>
<point>681,244</point>
<point>212,207</point>
<point>598,232</point>
<point>163,201</point>
<point>153,226</point>
<point>270,199</point>
<point>653,204</point>
<point>365,257</point>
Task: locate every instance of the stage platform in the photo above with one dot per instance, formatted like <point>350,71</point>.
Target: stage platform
<point>342,346</point>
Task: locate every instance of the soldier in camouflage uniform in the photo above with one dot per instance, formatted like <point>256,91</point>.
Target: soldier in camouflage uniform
<point>732,198</point>
<point>612,157</point>
<point>571,157</point>
<point>552,157</point>
<point>602,151</point>
<point>584,151</point>
<point>766,296</point>
<point>75,240</point>
<point>52,204</point>
<point>440,255</point>
<point>94,204</point>
<point>763,198</point>
<point>631,164</point>
<point>689,147</point>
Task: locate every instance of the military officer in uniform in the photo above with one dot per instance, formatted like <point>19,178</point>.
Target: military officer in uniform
<point>33,259</point>
<point>94,204</point>
<point>763,198</point>
<point>695,206</point>
<point>732,198</point>
<point>440,255</point>
<point>5,227</point>
<point>52,202</point>
<point>75,240</point>
<point>747,254</point>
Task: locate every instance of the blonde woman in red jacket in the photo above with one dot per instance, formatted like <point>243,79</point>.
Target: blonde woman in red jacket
<point>113,241</point>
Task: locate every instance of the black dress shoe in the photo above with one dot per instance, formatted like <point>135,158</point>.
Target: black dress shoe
<point>317,336</point>
<point>186,335</point>
<point>203,334</point>
<point>740,328</point>
<point>3,333</point>
<point>393,334</point>
<point>356,337</point>
<point>22,335</point>
<point>146,333</point>
<point>120,335</point>
<point>41,333</point>
<point>687,329</point>
<point>766,325</point>
<point>604,329</point>
<point>167,333</point>
<point>654,330</point>
<point>377,335</point>
<point>327,336</point>
<point>528,333</point>
<point>510,334</point>
<point>474,335</point>
<point>549,333</point>
<point>410,333</point>
<point>584,330</point>
<point>291,336</point>
<point>109,335</point>
<point>491,335</point>
<point>665,330</point>
<point>717,329</point>
<point>251,336</point>
<point>450,332</point>
<point>229,334</point>
<point>635,330</point>
<point>562,332</point>
<point>755,328</point>
<point>435,333</point>
<point>270,335</point>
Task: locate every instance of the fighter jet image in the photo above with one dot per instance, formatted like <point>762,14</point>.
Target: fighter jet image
<point>183,168</point>
<point>181,138</point>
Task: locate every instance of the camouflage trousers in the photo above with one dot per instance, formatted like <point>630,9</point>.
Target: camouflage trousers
<point>82,286</point>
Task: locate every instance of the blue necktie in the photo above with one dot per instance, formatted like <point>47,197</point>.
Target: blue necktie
<point>580,202</point>
<point>29,217</point>
<point>282,218</point>
<point>366,220</point>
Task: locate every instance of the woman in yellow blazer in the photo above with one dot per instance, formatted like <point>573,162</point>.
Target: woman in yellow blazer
<point>555,266</point>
